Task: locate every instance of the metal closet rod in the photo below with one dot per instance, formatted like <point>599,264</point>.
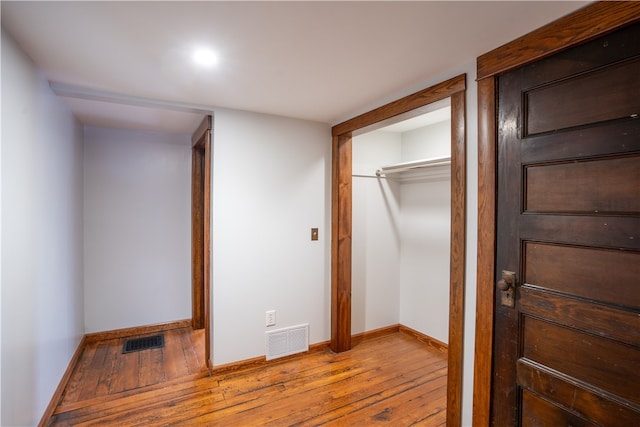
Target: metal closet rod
<point>403,167</point>
<point>355,175</point>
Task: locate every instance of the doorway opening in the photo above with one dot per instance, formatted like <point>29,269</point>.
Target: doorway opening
<point>400,267</point>
<point>166,118</point>
<point>342,220</point>
<point>201,231</point>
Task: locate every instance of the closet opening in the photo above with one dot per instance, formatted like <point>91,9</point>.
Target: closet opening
<point>361,177</point>
<point>401,218</point>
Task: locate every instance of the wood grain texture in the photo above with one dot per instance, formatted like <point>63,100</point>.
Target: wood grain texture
<point>486,250</point>
<point>341,290</point>
<point>137,330</point>
<point>203,128</point>
<point>392,379</point>
<point>201,230</point>
<point>197,236</point>
<point>585,24</point>
<point>575,353</point>
<point>585,187</point>
<point>341,245</point>
<point>569,144</point>
<point>335,218</point>
<point>323,346</point>
<point>572,208</point>
<point>610,322</point>
<point>102,370</point>
<point>411,102</point>
<point>257,362</point>
<point>573,394</point>
<point>457,257</point>
<point>375,333</point>
<point>547,414</point>
<point>588,273</point>
<point>599,95</point>
<point>206,239</point>
<point>438,345</point>
<point>581,26</point>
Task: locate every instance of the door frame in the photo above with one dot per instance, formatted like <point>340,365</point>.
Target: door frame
<point>341,223</point>
<point>201,231</point>
<point>581,26</point>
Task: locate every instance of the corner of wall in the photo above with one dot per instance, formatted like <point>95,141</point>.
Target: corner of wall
<point>41,226</point>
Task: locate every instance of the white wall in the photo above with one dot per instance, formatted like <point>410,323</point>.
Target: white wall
<point>471,225</point>
<point>271,185</point>
<point>400,270</point>
<point>42,310</point>
<point>469,69</point>
<point>427,142</point>
<point>375,269</point>
<point>425,234</point>
<point>0,258</point>
<point>137,194</point>
<point>425,252</point>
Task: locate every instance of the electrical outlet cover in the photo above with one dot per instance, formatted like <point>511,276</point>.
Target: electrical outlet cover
<point>271,318</point>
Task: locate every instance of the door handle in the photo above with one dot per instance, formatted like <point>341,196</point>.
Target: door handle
<point>503,285</point>
<point>506,286</point>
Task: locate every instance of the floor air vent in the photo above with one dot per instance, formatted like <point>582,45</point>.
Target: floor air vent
<point>138,344</point>
<point>284,342</point>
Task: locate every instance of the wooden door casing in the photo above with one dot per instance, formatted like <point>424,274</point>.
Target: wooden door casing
<point>406,107</point>
<point>568,215</point>
<point>201,231</point>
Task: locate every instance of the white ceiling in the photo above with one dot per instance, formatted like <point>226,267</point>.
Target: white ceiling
<point>322,61</point>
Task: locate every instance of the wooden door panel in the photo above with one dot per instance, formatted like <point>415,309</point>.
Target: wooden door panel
<point>609,49</point>
<point>552,414</point>
<point>608,322</point>
<point>606,364</point>
<point>576,397</point>
<point>568,215</point>
<point>595,186</point>
<point>575,143</point>
<point>584,272</point>
<point>611,232</point>
<point>602,94</point>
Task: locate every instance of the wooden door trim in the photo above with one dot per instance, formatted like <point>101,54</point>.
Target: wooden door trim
<point>404,105</point>
<point>578,27</point>
<point>341,207</point>
<point>341,227</point>
<point>205,126</point>
<point>581,26</point>
<point>457,257</point>
<point>487,187</point>
<point>201,230</point>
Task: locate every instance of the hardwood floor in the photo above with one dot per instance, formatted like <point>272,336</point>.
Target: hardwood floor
<point>103,370</point>
<point>394,379</point>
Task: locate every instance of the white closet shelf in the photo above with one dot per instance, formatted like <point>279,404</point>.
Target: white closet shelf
<point>415,164</point>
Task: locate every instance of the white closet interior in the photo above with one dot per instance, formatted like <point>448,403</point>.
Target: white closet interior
<point>401,225</point>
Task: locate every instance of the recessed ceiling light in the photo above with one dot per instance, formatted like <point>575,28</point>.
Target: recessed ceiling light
<point>205,57</point>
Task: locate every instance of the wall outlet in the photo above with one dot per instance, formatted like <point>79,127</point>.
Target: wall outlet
<point>271,318</point>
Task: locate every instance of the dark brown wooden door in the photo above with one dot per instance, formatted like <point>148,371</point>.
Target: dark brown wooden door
<point>568,213</point>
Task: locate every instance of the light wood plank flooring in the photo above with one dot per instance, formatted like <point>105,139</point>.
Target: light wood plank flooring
<point>394,379</point>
